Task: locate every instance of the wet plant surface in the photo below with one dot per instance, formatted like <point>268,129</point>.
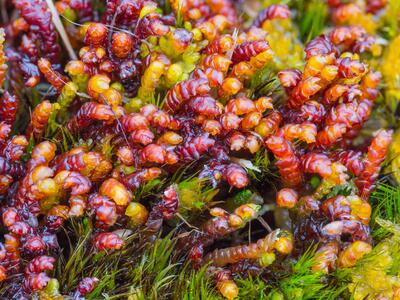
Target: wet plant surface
<point>199,149</point>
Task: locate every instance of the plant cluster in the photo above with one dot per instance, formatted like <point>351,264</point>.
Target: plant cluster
<point>182,119</point>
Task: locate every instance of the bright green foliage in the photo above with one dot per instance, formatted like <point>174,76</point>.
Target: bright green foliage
<point>194,194</point>
<point>192,284</point>
<point>386,205</point>
<point>153,275</point>
<point>302,283</point>
<point>253,288</point>
<point>312,18</point>
<point>261,166</point>
<point>148,189</point>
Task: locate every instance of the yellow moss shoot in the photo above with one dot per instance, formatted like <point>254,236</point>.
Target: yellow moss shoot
<point>3,65</point>
<point>150,80</point>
